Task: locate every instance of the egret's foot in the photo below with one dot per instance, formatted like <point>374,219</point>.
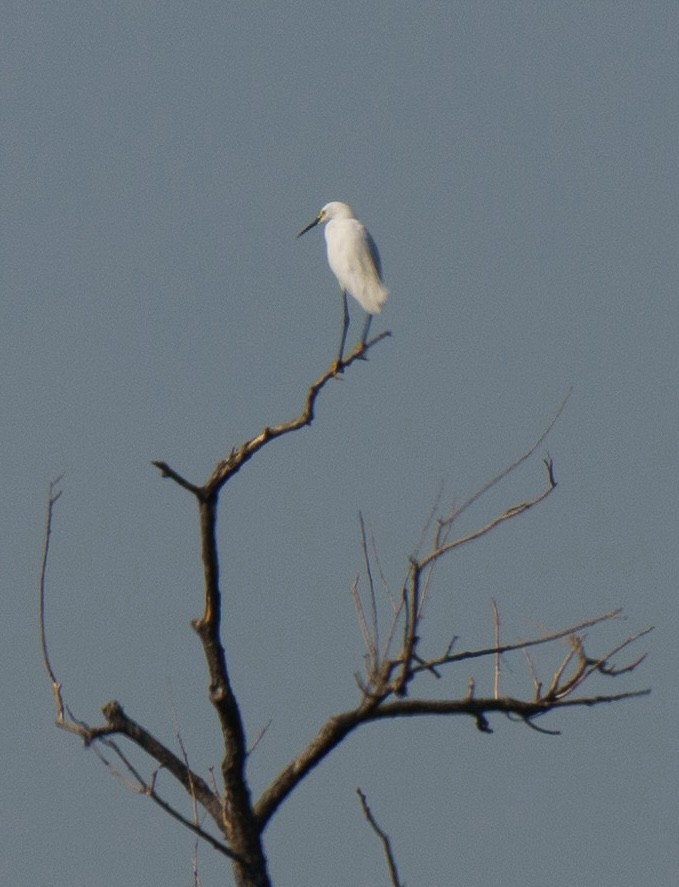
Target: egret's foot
<point>360,351</point>
<point>338,368</point>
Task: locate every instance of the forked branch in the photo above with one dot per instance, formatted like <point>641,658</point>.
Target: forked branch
<point>232,813</point>
<point>383,700</point>
<point>118,723</point>
<point>389,675</point>
<point>386,690</point>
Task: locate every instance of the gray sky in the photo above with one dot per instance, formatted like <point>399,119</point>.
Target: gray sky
<point>517,165</point>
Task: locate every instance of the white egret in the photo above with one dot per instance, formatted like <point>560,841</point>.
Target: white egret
<point>355,261</point>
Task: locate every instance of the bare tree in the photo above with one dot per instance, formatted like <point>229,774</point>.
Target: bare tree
<point>225,815</point>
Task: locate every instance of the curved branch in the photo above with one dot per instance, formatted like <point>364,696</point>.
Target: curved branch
<point>52,499</point>
<point>513,466</point>
<point>440,550</point>
<point>328,737</point>
<point>119,722</point>
<point>238,456</point>
<point>445,524</point>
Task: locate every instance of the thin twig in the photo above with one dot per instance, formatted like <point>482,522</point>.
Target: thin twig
<point>258,738</point>
<point>555,688</point>
<point>194,800</point>
<point>149,790</point>
<point>430,519</point>
<point>386,843</point>
<point>394,624</point>
<point>496,621</point>
<point>420,542</point>
<point>509,514</point>
<point>448,657</point>
<point>537,684</point>
<point>365,631</point>
<point>610,670</point>
<point>185,757</point>
<point>410,636</point>
<point>514,465</point>
<point>52,499</point>
<point>383,579</point>
<point>445,524</point>
<point>374,642</point>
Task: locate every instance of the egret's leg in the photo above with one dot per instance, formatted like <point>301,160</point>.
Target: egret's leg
<point>366,328</point>
<point>345,326</point>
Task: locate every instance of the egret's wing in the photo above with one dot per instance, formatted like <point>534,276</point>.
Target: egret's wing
<point>374,252</point>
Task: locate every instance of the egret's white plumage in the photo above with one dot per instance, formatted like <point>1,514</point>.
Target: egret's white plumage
<point>354,260</point>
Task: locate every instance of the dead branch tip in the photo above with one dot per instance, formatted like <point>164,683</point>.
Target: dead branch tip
<point>384,838</point>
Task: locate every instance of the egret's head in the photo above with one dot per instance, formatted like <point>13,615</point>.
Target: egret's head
<point>333,210</point>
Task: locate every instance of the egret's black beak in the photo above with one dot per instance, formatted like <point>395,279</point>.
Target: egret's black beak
<point>310,226</point>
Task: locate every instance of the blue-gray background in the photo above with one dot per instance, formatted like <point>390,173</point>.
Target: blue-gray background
<point>517,165</point>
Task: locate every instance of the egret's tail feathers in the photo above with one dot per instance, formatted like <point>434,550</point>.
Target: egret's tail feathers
<point>375,299</point>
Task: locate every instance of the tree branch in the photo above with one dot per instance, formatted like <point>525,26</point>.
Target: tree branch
<point>445,524</point>
<point>449,658</point>
<point>119,722</point>
<point>237,816</point>
<point>149,790</point>
<point>238,456</point>
<point>512,466</point>
<point>386,843</point>
<point>242,828</point>
<point>389,678</point>
<point>515,510</point>
<point>378,703</point>
<point>380,685</point>
<point>408,708</point>
<point>52,499</point>
<point>328,737</point>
